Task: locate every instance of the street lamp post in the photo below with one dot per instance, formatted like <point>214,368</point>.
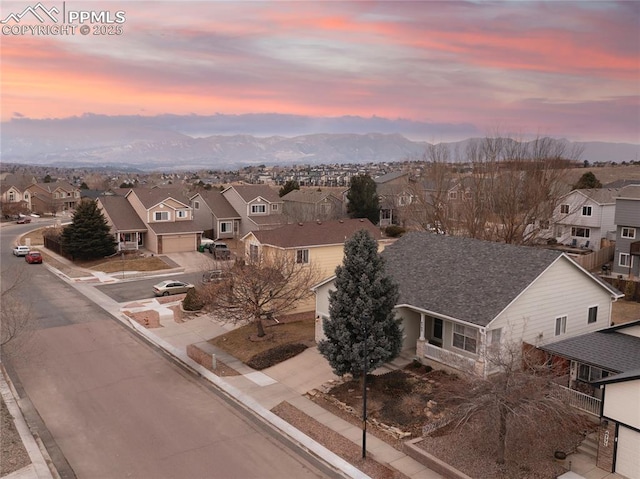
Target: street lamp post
<point>364,390</point>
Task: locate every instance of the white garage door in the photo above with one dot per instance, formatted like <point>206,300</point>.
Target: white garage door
<point>628,455</point>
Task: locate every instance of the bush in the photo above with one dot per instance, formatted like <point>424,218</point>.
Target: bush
<point>275,355</point>
<point>192,301</point>
<point>394,231</point>
<point>630,290</point>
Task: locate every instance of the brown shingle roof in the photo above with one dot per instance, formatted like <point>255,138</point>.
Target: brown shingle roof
<point>316,233</point>
<point>251,192</point>
<point>218,204</point>
<point>307,196</point>
<point>121,213</point>
<point>149,197</point>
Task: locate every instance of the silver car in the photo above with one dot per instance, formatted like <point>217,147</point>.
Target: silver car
<point>167,287</point>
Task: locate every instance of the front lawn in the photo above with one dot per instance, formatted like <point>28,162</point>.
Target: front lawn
<point>242,344</point>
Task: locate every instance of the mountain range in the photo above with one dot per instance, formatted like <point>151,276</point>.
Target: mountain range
<point>171,145</point>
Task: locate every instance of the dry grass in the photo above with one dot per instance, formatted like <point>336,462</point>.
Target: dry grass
<point>115,265</point>
<point>624,311</point>
<point>239,345</point>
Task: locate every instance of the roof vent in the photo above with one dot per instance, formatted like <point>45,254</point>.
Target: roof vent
<point>361,220</point>
<point>319,222</point>
<point>299,224</point>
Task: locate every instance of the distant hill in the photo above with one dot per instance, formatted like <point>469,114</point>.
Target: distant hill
<point>148,145</point>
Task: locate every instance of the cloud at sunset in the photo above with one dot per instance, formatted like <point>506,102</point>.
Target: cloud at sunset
<point>567,69</point>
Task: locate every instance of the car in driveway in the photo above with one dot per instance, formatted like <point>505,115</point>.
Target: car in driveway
<point>213,276</point>
<point>21,250</point>
<point>23,220</point>
<point>33,257</point>
<point>220,250</point>
<point>167,287</point>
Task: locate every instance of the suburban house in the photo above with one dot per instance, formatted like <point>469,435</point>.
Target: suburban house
<point>595,356</point>
<point>318,243</point>
<point>51,197</point>
<point>259,207</point>
<point>312,204</point>
<point>462,298</point>
<point>14,198</point>
<point>394,194</point>
<point>584,218</point>
<point>626,259</point>
<point>619,438</point>
<point>214,215</point>
<point>164,213</point>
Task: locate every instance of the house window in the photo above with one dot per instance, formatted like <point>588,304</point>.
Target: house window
<point>593,315</point>
<point>629,233</point>
<point>453,195</point>
<point>76,194</point>
<point>586,211</point>
<point>258,209</point>
<point>465,337</point>
<point>580,232</point>
<point>182,213</point>
<point>544,224</point>
<point>561,325</point>
<point>437,330</point>
<point>226,227</point>
<point>253,253</point>
<point>12,196</point>
<point>274,207</point>
<point>161,216</point>
<point>55,195</point>
<point>404,200</point>
<point>302,256</point>
<point>385,214</point>
<point>196,205</point>
<point>591,373</point>
<point>625,260</point>
<point>564,209</point>
<point>26,196</point>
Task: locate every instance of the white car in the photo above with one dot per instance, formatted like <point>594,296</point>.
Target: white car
<point>20,251</point>
<point>165,288</point>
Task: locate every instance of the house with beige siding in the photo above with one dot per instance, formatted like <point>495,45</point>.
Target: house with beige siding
<point>462,297</point>
<point>51,197</point>
<point>157,219</point>
<point>259,207</point>
<point>317,243</point>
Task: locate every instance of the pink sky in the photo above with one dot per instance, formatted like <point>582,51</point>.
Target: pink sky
<point>564,69</point>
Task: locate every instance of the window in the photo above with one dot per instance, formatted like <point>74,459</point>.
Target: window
<point>564,209</point>
<point>591,373</point>
<point>258,209</point>
<point>544,224</point>
<point>76,194</point>
<point>629,233</point>
<point>12,196</point>
<point>561,325</point>
<point>385,214</point>
<point>437,330</point>
<point>586,211</point>
<point>453,195</point>
<point>580,232</point>
<point>465,337</point>
<point>302,256</point>
<point>161,216</point>
<point>274,207</point>
<point>226,227</point>
<point>182,213</point>
<point>494,337</point>
<point>593,315</point>
<point>55,195</point>
<point>196,205</point>
<point>625,260</point>
<point>26,196</point>
<point>253,253</point>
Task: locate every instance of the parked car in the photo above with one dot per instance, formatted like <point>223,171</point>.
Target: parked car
<point>20,251</point>
<point>24,220</point>
<point>216,275</point>
<point>220,250</point>
<point>167,287</point>
<point>33,257</point>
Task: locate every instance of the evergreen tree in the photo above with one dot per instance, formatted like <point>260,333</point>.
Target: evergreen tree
<point>288,187</point>
<point>88,236</point>
<point>363,199</point>
<point>364,296</point>
<point>587,180</point>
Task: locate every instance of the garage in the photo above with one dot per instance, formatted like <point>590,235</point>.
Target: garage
<point>176,243</point>
<point>627,456</point>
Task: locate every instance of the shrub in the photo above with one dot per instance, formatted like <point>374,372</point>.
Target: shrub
<point>629,290</point>
<point>275,355</point>
<point>192,301</point>
<point>394,231</point>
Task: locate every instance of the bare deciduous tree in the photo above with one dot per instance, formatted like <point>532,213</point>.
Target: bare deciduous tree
<point>16,318</point>
<point>266,287</point>
<point>520,399</point>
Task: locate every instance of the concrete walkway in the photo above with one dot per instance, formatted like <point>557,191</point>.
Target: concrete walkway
<point>260,390</point>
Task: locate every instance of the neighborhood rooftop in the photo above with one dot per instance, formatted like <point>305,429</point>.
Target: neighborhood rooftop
<point>463,278</point>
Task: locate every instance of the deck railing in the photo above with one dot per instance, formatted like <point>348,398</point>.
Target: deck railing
<point>578,400</point>
<point>449,358</point>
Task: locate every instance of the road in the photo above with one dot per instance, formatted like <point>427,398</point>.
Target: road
<point>116,407</point>
<point>143,288</point>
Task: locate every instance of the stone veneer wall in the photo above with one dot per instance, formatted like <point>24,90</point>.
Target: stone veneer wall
<point>606,445</point>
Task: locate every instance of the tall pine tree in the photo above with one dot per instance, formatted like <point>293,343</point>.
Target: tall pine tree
<point>363,199</point>
<point>88,236</point>
<point>364,296</point>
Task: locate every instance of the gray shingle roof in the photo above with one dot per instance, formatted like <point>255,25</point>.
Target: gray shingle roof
<point>609,349</point>
<point>121,213</point>
<point>307,196</point>
<point>250,192</point>
<point>218,204</point>
<point>601,195</point>
<point>631,192</point>
<point>463,278</point>
<point>149,197</point>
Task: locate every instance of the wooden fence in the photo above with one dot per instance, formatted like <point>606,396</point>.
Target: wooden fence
<point>595,260</point>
